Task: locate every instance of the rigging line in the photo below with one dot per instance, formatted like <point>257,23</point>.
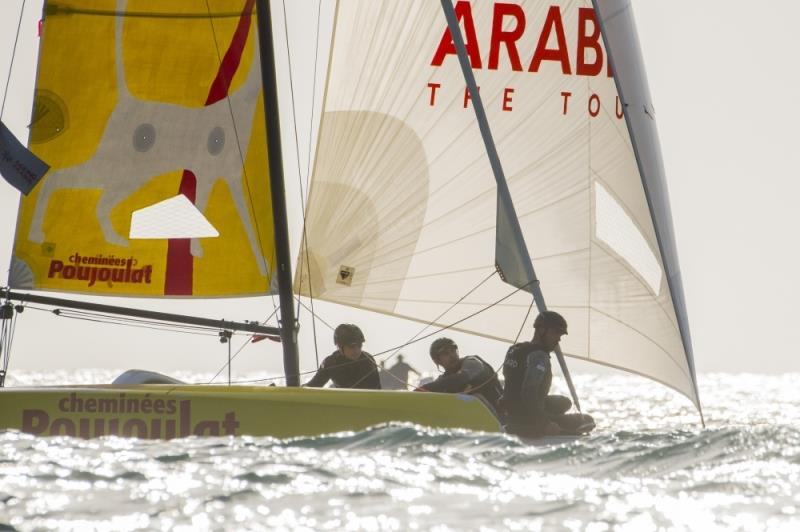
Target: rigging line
<point>199,330</point>
<point>308,166</point>
<point>328,325</point>
<point>462,320</point>
<point>308,177</point>
<point>233,357</point>
<point>124,320</point>
<point>299,176</point>
<point>311,302</point>
<point>8,337</point>
<point>6,333</point>
<point>516,339</point>
<point>274,311</point>
<point>228,82</point>
<point>527,314</point>
<point>276,378</point>
<point>437,318</point>
<point>241,348</point>
<point>138,326</point>
<point>13,54</point>
<point>497,371</point>
<point>592,225</point>
<point>493,304</point>
<point>255,381</point>
<point>11,334</point>
<point>313,93</point>
<point>413,338</point>
<point>118,320</point>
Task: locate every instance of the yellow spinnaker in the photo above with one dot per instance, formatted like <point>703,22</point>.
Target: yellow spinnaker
<point>136,102</point>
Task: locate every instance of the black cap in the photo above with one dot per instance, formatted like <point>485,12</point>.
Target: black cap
<point>550,318</point>
<point>439,344</point>
<point>348,334</point>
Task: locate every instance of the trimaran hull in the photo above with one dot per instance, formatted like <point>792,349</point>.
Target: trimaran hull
<point>160,411</point>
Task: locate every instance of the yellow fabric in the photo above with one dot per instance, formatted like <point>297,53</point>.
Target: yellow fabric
<point>169,411</point>
<point>168,65</point>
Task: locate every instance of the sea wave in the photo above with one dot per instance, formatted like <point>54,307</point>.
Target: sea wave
<point>635,472</point>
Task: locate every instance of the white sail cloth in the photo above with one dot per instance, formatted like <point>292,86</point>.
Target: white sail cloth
<point>401,216</point>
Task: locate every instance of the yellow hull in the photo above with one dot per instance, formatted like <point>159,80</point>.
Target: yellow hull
<point>163,411</point>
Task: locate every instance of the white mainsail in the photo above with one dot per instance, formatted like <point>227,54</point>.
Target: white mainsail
<point>402,211</point>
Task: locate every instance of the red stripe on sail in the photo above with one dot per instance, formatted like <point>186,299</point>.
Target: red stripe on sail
<point>180,263</point>
<point>221,84</point>
<point>180,271</point>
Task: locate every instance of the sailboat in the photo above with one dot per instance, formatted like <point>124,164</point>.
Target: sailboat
<point>452,137</point>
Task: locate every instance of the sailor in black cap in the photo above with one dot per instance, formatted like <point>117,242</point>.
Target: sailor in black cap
<point>531,410</point>
<point>348,366</point>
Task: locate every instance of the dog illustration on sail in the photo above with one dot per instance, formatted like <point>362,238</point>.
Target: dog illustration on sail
<point>143,139</point>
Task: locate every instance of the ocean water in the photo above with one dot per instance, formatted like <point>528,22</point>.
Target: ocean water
<point>649,466</point>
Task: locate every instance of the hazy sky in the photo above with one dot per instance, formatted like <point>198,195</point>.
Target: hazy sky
<point>724,79</point>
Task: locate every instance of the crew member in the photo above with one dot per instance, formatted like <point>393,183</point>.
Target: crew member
<point>531,412</point>
<point>348,366</point>
<point>470,374</point>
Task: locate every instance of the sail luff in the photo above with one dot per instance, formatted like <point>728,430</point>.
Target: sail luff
<point>631,82</point>
<point>506,214</point>
<point>283,266</point>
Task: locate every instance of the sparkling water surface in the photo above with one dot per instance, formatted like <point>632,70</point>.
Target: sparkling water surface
<point>649,466</point>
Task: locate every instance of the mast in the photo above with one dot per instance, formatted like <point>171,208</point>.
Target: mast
<point>283,268</point>
<point>525,279</point>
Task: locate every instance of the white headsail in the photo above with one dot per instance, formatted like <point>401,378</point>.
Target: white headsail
<point>402,213</point>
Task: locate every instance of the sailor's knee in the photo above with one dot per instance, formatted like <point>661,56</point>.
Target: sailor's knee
<point>558,404</point>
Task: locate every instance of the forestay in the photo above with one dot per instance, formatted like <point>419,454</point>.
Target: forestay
<point>401,215</point>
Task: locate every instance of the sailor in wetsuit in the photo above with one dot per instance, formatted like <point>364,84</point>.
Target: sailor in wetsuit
<point>348,366</point>
<point>531,411</point>
<point>470,374</point>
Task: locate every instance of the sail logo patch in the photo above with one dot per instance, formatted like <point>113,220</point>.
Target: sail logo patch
<point>552,29</point>
<point>345,275</point>
<point>140,417</point>
<point>104,268</point>
<point>50,117</point>
<point>519,43</point>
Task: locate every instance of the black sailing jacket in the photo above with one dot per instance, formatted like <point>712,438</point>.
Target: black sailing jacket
<point>528,376</point>
<point>474,372</point>
<point>345,373</point>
